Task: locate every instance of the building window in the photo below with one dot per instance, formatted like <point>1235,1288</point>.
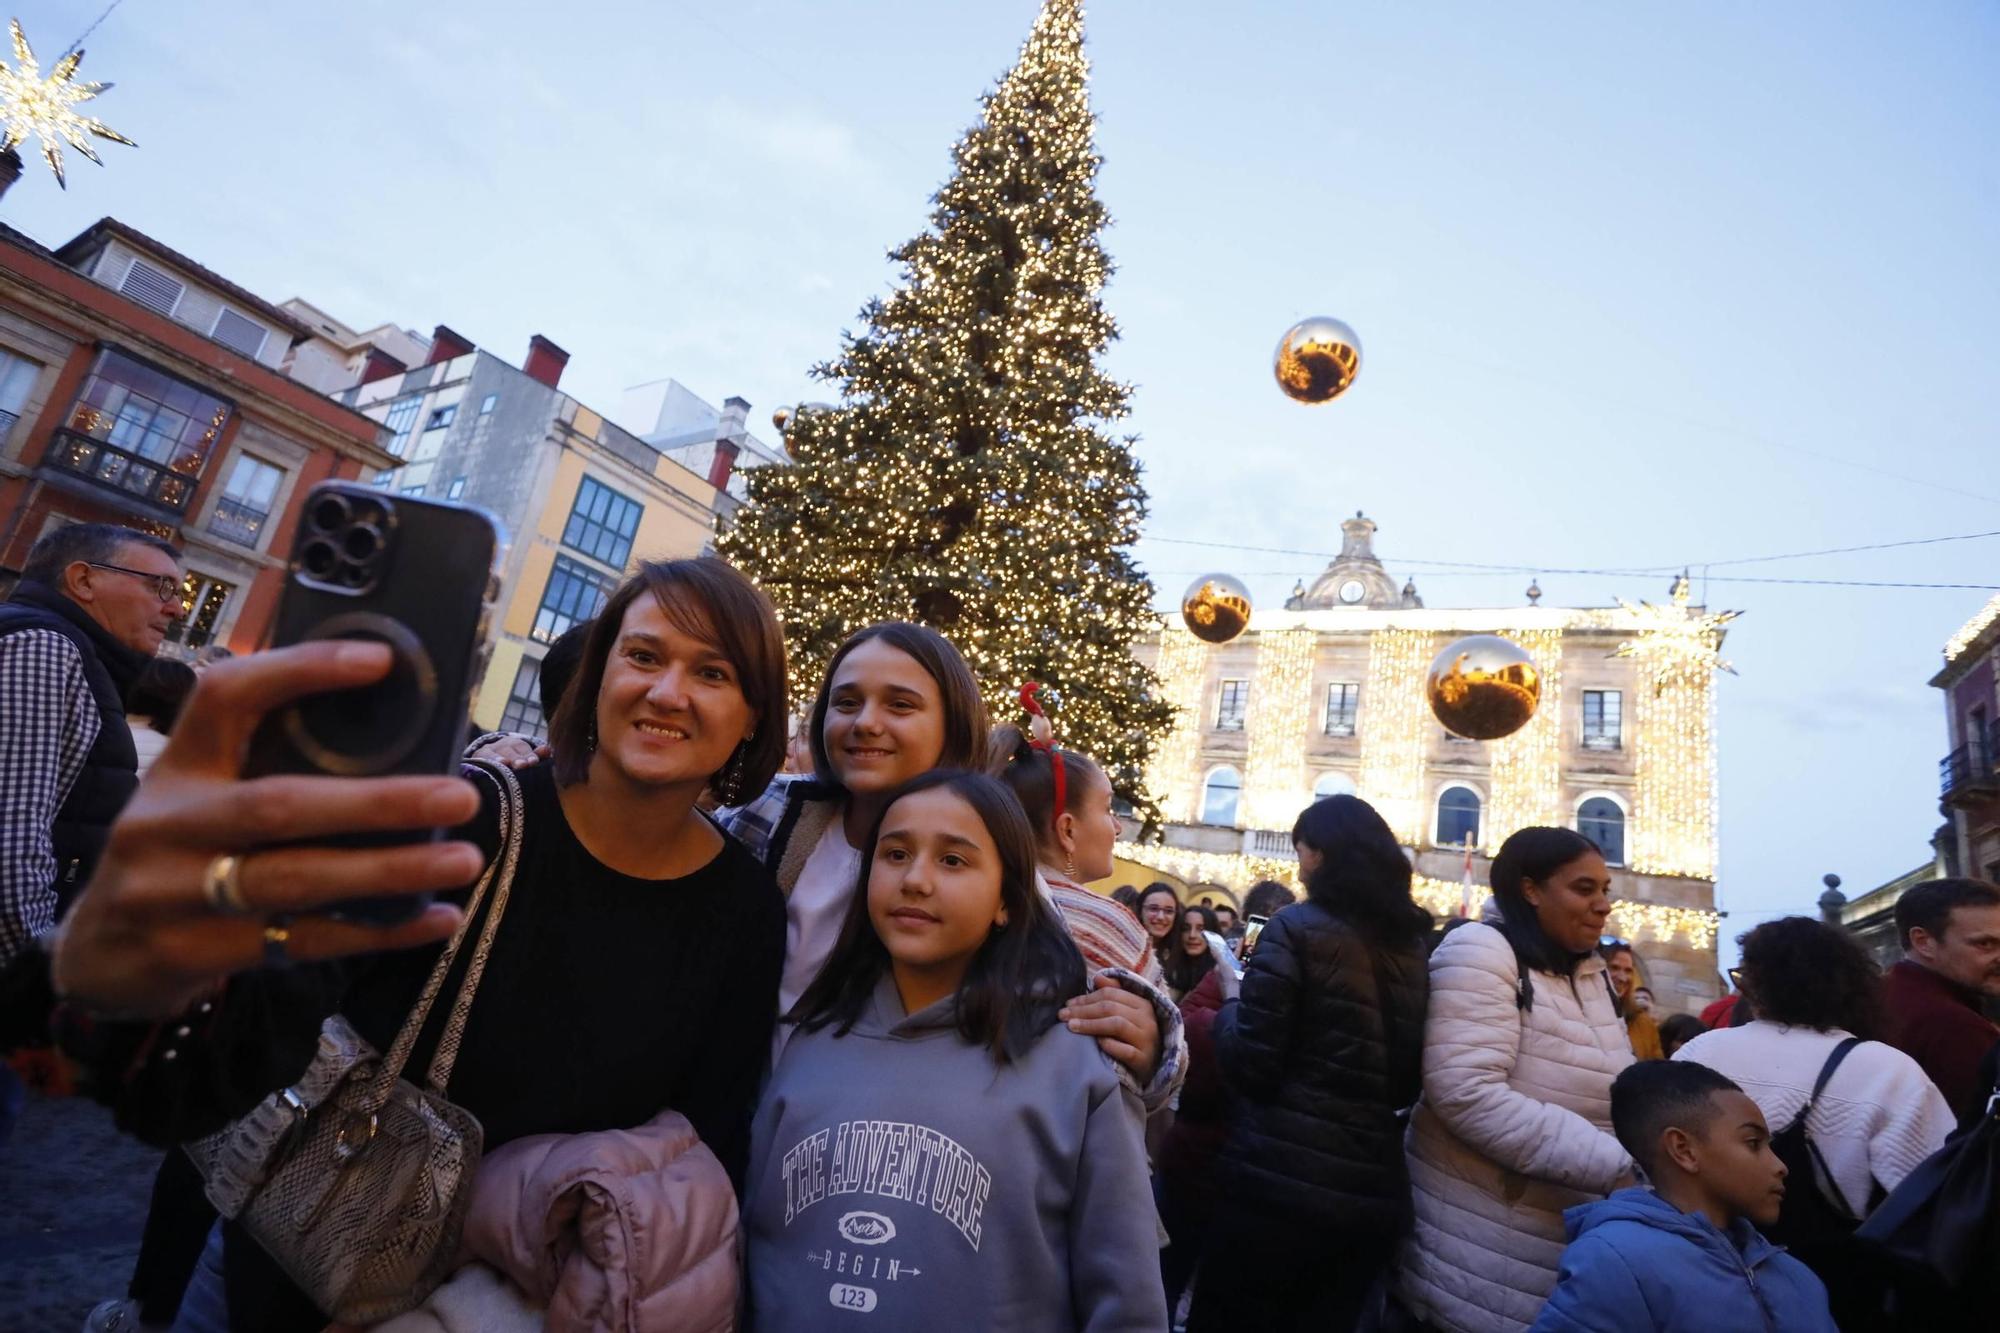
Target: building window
<point>1343,703</point>
<point>1602,821</point>
<point>1333,784</point>
<point>151,287</point>
<point>524,700</point>
<point>402,420</point>
<point>1603,727</point>
<point>140,430</point>
<point>441,417</point>
<point>17,381</point>
<point>239,334</point>
<point>457,488</point>
<point>1457,817</point>
<point>602,523</point>
<point>1230,703</point>
<point>247,499</point>
<point>488,403</point>
<point>575,593</point>
<point>202,600</point>
<point>1218,796</point>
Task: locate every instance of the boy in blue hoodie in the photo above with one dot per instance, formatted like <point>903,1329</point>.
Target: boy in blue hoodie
<point>1685,1256</point>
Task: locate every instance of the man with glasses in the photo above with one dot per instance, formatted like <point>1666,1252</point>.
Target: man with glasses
<point>92,607</point>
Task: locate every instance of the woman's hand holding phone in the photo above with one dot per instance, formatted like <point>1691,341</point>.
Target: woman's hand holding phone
<point>207,873</point>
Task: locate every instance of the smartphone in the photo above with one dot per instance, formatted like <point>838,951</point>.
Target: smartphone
<point>1252,928</point>
<point>414,574</point>
<point>1223,954</point>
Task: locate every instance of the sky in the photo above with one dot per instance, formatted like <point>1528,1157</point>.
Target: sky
<point>1637,287</point>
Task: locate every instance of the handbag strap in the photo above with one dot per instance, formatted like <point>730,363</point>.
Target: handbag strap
<point>499,870</point>
<point>1826,1071</point>
<point>513,818</point>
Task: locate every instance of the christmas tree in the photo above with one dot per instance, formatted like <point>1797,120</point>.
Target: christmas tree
<point>968,479</point>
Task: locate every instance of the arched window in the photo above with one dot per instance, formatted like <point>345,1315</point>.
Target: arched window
<point>1457,816</point>
<point>1601,820</point>
<point>1218,796</point>
<point>1333,784</point>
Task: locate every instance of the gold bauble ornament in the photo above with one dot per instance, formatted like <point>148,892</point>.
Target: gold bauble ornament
<point>1318,359</point>
<point>1216,608</point>
<point>1484,687</point>
<point>781,419</point>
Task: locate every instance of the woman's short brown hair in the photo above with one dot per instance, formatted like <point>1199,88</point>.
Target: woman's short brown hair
<point>965,718</point>
<point>708,600</point>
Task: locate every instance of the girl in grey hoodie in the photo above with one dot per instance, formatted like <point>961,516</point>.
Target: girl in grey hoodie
<point>936,1150</point>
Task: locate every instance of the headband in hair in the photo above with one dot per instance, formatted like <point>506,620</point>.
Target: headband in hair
<point>1041,736</point>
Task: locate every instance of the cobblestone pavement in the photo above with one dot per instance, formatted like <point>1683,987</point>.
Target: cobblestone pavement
<point>73,1195</point>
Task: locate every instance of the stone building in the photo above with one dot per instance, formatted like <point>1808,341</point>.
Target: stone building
<point>1969,774</point>
<point>1326,696</point>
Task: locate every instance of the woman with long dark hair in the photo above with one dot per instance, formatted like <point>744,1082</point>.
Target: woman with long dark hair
<point>1514,1126</point>
<point>1188,959</point>
<point>1323,1048</point>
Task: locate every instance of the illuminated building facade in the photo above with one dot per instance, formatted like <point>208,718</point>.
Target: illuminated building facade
<point>1326,696</point>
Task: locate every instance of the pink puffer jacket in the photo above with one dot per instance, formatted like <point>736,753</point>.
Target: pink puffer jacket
<point>625,1231</point>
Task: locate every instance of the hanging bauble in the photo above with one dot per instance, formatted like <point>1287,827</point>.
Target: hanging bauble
<point>1317,360</point>
<point>1484,687</point>
<point>1216,608</point>
<point>781,419</point>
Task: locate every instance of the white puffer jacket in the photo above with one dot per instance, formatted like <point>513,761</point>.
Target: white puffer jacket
<point>1513,1127</point>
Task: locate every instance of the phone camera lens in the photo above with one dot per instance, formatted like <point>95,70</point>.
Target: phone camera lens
<point>362,542</point>
<point>319,558</point>
<point>354,576</point>
<point>330,513</point>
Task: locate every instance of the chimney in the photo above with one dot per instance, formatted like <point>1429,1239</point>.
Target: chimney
<point>10,169</point>
<point>380,366</point>
<point>446,344</point>
<point>545,361</point>
<point>724,461</point>
<point>735,412</point>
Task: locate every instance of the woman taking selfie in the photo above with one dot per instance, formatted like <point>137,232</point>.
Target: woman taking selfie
<point>634,968</point>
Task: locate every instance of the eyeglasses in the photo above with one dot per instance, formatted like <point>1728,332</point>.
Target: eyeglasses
<point>168,586</point>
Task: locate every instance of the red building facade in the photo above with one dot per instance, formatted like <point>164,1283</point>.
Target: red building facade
<point>139,388</point>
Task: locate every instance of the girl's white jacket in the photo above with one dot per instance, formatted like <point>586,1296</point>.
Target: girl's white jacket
<point>1513,1127</point>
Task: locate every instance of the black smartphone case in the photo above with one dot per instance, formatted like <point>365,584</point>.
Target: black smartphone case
<point>415,574</point>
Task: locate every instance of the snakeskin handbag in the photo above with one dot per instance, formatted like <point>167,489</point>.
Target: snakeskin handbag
<point>355,1181</point>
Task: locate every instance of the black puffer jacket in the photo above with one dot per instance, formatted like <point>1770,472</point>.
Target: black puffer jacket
<point>1323,1049</point>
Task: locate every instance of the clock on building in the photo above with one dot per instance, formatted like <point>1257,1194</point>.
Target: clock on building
<point>1353,591</point>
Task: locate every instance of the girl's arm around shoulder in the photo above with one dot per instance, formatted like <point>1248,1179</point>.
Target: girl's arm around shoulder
<point>1114,1255</point>
<point>1472,1039</point>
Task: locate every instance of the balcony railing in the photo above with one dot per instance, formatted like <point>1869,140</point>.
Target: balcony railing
<point>1972,770</point>
<point>108,465</point>
<point>237,521</point>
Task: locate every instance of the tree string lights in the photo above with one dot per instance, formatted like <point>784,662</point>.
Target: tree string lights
<point>968,479</point>
<point>1971,630</point>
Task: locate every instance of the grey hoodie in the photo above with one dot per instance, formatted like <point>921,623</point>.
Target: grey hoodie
<point>901,1180</point>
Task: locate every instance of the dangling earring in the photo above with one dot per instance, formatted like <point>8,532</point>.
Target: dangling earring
<point>590,741</point>
<point>1069,866</point>
<point>729,786</point>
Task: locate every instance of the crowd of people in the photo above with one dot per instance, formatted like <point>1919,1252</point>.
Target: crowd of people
<point>784,1028</point>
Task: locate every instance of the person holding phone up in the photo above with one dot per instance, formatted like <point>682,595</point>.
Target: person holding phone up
<point>636,966</point>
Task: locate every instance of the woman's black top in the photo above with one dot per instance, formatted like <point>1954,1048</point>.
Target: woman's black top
<point>1323,1050</point>
<point>606,1000</point>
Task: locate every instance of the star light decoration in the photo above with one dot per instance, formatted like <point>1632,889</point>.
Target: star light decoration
<point>1675,639</point>
<point>46,108</point>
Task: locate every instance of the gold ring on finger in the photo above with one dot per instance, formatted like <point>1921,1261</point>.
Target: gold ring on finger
<point>222,885</point>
